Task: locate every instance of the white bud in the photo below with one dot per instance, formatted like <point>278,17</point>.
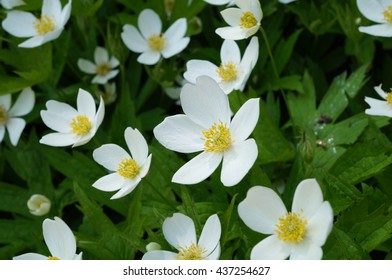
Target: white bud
<point>153,246</point>
<point>38,205</point>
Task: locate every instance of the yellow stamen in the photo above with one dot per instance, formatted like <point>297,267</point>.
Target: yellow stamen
<point>53,258</point>
<point>44,25</point>
<point>81,125</point>
<point>128,168</point>
<point>388,14</point>
<point>3,115</point>
<point>217,138</point>
<point>192,252</point>
<point>156,42</point>
<point>389,97</point>
<point>103,68</point>
<point>228,71</point>
<point>248,20</point>
<point>291,228</point>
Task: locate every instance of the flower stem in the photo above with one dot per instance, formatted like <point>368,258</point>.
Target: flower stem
<point>267,44</point>
<point>189,206</point>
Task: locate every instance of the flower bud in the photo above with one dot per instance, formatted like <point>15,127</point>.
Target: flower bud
<point>38,205</point>
<point>153,246</point>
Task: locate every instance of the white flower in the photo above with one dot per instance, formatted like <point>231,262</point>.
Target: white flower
<point>9,4</point>
<point>128,170</point>
<point>180,232</point>
<point>233,71</point>
<point>103,68</point>
<point>298,234</point>
<point>109,94</point>
<point>244,21</point>
<point>74,127</point>
<point>380,107</point>
<point>153,246</point>
<point>206,127</point>
<point>41,30</point>
<point>220,2</point>
<point>60,241</point>
<point>379,11</point>
<point>151,42</point>
<point>38,205</point>
<point>9,118</point>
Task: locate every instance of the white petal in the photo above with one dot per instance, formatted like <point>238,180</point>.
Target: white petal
<point>214,254</point>
<point>24,104</point>
<point>51,8</point>
<point>306,251</point>
<point>245,120</point>
<point>159,255</point>
<point>380,92</point>
<point>65,14</point>
<point>230,52</point>
<point>177,30</point>
<point>145,167</point>
<point>237,161</point>
<point>9,4</point>
<point>178,133</point>
<point>20,24</point>
<point>110,156</point>
<point>101,55</point>
<point>371,9</point>
<point>218,2</point>
<point>149,57</point>
<point>175,47</point>
<point>149,23</point>
<point>232,16</point>
<point>58,139</point>
<point>5,101</point>
<point>308,197</point>
<point>56,121</point>
<point>136,144</point>
<point>87,66</point>
<point>197,68</point>
<point>114,62</point>
<point>320,225</point>
<point>261,209</point>
<point>378,107</point>
<point>98,79</point>
<point>86,104</point>
<point>251,54</point>
<point>33,42</point>
<point>15,128</point>
<point>128,186</point>
<point>30,256</point>
<point>61,108</point>
<point>205,103</point>
<point>382,30</point>
<point>59,238</point>
<point>270,248</point>
<point>179,230</point>
<point>197,169</point>
<point>109,183</point>
<point>100,114</point>
<point>133,39</point>
<point>211,234</point>
<point>232,33</point>
<point>255,8</point>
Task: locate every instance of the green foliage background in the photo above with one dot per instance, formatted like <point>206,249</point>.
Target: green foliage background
<point>326,67</point>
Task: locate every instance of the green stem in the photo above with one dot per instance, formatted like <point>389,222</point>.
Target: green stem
<point>271,56</point>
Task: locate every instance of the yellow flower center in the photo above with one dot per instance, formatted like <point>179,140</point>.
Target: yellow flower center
<point>50,258</point>
<point>81,125</point>
<point>128,168</point>
<point>388,14</point>
<point>44,25</point>
<point>291,228</point>
<point>156,42</point>
<point>192,252</point>
<point>3,115</point>
<point>217,138</point>
<point>228,71</point>
<point>248,20</point>
<point>103,68</point>
<point>389,97</point>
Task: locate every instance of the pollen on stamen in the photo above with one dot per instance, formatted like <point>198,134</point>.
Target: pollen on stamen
<point>103,68</point>
<point>389,97</point>
<point>128,168</point>
<point>291,228</point>
<point>81,125</point>
<point>3,115</point>
<point>50,258</point>
<point>44,25</point>
<point>227,71</point>
<point>217,138</point>
<point>156,42</point>
<point>248,20</point>
<point>388,14</point>
<point>192,252</point>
